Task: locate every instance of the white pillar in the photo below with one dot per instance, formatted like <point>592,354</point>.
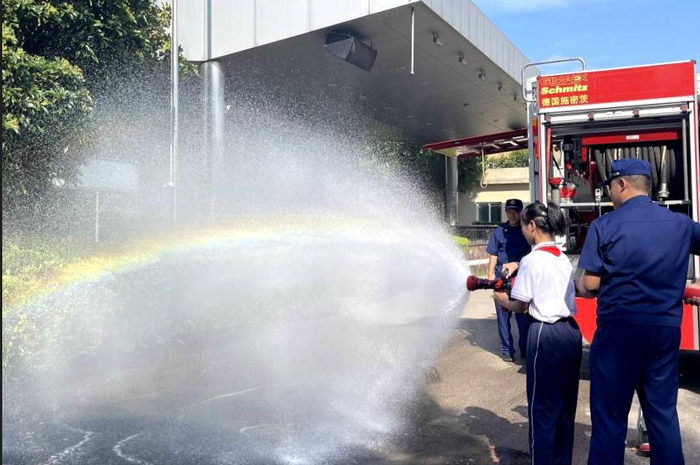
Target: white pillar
<point>214,111</point>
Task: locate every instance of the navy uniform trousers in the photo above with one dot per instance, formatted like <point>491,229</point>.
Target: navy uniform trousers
<point>553,365</point>
<point>628,358</point>
<point>523,321</point>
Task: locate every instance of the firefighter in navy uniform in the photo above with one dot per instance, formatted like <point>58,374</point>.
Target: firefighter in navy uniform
<point>635,260</point>
<point>508,245</point>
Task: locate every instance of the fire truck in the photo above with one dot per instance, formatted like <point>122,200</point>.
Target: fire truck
<point>578,123</point>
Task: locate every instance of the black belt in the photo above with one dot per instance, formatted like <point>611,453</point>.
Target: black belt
<point>560,320</point>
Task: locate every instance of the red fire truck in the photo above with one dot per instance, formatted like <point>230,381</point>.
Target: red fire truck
<point>578,123</point>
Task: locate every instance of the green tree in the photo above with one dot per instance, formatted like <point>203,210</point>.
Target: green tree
<point>515,159</point>
<point>58,57</point>
<point>426,166</point>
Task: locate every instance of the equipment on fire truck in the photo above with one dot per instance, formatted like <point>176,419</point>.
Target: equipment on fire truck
<point>581,122</point>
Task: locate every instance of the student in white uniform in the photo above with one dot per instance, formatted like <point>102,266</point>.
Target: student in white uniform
<point>544,289</point>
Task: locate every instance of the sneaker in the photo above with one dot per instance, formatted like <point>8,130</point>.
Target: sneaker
<point>507,358</point>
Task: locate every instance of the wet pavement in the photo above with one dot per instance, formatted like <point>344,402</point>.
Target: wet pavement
<point>488,394</point>
<point>471,410</point>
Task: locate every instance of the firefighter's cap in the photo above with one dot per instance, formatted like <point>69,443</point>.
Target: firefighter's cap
<point>514,204</point>
<point>628,167</point>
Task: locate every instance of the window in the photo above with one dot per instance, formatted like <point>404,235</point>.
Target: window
<point>489,212</point>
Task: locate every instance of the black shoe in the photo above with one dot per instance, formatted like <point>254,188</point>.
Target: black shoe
<point>507,358</point>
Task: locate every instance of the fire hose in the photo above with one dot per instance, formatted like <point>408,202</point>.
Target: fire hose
<point>666,178</point>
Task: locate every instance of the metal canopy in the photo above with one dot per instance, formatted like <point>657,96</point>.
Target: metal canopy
<point>490,144</point>
<point>445,98</point>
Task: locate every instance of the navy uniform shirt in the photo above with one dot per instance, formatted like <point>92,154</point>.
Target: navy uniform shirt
<point>641,253</point>
<point>508,244</point>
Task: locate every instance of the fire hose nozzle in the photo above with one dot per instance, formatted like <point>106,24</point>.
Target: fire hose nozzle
<point>498,285</point>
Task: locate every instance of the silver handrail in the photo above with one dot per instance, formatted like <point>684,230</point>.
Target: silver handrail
<point>548,62</point>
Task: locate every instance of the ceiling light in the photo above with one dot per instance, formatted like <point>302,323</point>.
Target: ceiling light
<point>515,97</point>
<point>500,87</point>
<point>436,39</point>
<point>482,75</point>
<point>462,61</point>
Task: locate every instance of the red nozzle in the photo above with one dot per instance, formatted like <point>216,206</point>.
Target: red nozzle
<point>472,282</point>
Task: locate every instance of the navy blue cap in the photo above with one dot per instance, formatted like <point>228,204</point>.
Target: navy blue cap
<point>514,204</point>
<point>628,167</point>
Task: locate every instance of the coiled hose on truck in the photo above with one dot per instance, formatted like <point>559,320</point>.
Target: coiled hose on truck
<point>665,164</point>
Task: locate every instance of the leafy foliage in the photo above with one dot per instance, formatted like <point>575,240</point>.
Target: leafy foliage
<point>58,56</point>
<point>462,243</point>
<point>515,159</point>
<point>426,166</point>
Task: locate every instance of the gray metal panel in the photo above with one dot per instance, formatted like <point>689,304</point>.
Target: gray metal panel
<point>190,30</point>
<point>464,13</point>
<point>473,13</point>
<point>382,5</point>
<point>243,24</point>
<point>233,26</point>
<point>324,13</point>
<point>277,20</point>
<point>110,175</point>
<point>468,19</point>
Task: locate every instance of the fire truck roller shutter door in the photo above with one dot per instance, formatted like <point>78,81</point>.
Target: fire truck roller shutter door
<point>626,152</point>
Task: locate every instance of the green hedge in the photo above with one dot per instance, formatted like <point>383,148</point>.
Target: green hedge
<point>463,243</point>
<point>28,261</point>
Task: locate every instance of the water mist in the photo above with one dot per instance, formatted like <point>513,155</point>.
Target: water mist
<point>293,326</point>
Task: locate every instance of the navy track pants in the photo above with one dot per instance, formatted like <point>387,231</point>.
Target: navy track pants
<point>625,358</point>
<point>553,366</point>
<point>505,334</point>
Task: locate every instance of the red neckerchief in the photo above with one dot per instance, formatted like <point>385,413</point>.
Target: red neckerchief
<point>551,249</point>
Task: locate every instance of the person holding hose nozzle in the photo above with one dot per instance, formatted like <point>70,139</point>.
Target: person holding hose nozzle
<point>635,260</point>
<point>508,246</point>
<point>544,289</point>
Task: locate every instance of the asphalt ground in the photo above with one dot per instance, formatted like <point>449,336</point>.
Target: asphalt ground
<point>472,409</point>
<point>487,395</point>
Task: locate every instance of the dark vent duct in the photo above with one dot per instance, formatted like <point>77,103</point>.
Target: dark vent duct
<point>351,49</point>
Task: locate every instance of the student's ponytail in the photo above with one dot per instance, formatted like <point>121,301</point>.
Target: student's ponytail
<point>555,218</point>
<point>549,219</point>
